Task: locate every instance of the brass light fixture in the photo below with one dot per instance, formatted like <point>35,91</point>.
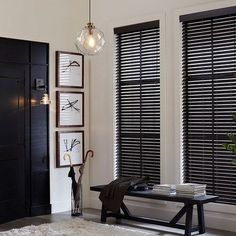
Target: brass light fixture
<point>40,85</point>
<point>90,40</point>
<point>45,99</point>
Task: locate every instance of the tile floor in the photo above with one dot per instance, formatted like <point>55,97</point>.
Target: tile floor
<point>94,215</point>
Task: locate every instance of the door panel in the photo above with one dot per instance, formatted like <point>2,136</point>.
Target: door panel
<point>13,51</point>
<point>39,162</point>
<point>12,141</point>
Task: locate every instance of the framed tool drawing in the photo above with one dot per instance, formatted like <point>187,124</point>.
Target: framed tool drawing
<point>69,70</point>
<point>70,109</point>
<point>69,147</point>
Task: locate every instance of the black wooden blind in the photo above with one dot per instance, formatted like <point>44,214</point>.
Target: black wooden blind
<point>138,100</point>
<point>209,101</point>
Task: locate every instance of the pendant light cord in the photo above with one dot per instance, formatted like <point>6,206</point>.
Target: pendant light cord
<point>89,11</point>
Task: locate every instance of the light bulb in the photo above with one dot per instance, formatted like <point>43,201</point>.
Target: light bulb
<point>89,42</point>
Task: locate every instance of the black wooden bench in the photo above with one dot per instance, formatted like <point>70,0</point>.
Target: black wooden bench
<point>187,209</point>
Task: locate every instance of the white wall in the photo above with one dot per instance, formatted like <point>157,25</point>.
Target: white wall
<point>108,14</point>
<point>56,22</point>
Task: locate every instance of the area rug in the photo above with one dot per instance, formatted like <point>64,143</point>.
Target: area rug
<point>74,227</point>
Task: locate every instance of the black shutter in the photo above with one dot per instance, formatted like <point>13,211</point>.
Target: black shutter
<point>138,100</point>
<point>209,101</point>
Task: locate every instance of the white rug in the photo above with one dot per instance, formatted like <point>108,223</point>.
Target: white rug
<point>74,227</point>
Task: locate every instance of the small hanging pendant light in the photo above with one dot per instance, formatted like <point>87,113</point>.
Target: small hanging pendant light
<point>90,40</point>
<point>40,85</point>
<point>45,99</point>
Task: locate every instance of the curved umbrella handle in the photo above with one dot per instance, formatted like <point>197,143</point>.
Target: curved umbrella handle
<point>87,153</point>
<point>67,155</point>
<point>81,169</point>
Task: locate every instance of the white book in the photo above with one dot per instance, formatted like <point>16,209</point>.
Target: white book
<point>190,186</point>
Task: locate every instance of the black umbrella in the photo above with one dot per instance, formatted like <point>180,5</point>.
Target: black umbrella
<point>71,174</point>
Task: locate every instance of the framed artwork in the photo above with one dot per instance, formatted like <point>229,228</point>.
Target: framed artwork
<point>70,109</point>
<point>72,143</point>
<point>69,70</point>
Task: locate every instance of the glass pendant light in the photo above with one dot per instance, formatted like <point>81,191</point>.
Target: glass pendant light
<point>90,40</point>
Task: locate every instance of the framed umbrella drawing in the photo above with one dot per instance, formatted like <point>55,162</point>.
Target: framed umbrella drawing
<point>70,109</point>
<point>69,70</point>
<point>69,143</point>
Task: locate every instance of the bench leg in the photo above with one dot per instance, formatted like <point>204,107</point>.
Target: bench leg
<point>188,220</point>
<point>103,214</point>
<point>201,220</point>
<point>179,215</point>
<point>125,209</point>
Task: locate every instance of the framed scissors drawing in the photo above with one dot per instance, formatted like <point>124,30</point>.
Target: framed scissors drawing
<point>69,70</point>
<point>69,148</point>
<point>70,109</point>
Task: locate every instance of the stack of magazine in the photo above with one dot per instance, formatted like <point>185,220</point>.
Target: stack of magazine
<point>164,189</point>
<point>190,190</point>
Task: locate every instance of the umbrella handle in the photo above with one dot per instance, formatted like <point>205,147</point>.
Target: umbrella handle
<point>67,155</point>
<point>87,153</point>
<point>81,169</point>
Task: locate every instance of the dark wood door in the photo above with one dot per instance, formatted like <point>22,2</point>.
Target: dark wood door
<point>14,128</point>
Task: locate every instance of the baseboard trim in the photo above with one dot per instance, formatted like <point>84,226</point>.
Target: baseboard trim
<point>61,206</point>
<point>40,210</point>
